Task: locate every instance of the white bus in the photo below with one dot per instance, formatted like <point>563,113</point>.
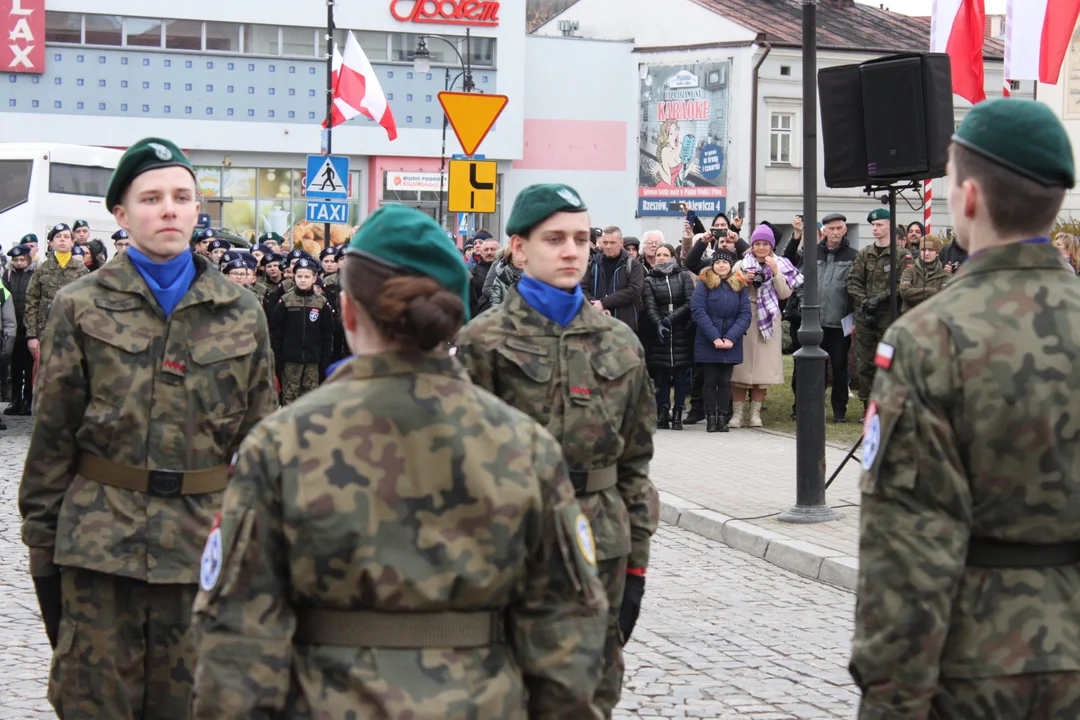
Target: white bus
<point>42,184</point>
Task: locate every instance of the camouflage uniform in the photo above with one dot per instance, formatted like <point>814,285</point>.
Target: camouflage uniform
<point>869,278</point>
<point>921,282</point>
<point>302,336</point>
<point>44,284</point>
<point>587,383</point>
<point>118,383</point>
<point>419,494</point>
<point>970,445</point>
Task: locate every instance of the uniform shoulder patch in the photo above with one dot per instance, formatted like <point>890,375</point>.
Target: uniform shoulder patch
<point>210,565</point>
<point>871,436</point>
<point>313,314</point>
<point>586,542</point>
<point>884,356</point>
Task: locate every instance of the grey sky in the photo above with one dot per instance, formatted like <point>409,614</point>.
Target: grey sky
<point>923,7</point>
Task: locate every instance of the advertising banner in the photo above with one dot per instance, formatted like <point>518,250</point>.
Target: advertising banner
<point>22,47</point>
<point>683,139</point>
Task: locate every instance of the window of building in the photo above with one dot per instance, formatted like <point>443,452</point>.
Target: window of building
<point>183,34</point>
<point>261,40</point>
<point>785,69</point>
<point>79,179</point>
<point>104,30</point>
<point>780,138</point>
<point>223,36</point>
<point>63,27</point>
<point>14,183</point>
<point>298,41</point>
<point>374,44</point>
<point>403,45</point>
<point>142,32</point>
<point>481,51</point>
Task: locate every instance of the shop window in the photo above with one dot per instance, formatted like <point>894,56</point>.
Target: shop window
<point>298,41</point>
<point>223,37</point>
<point>183,34</point>
<point>104,30</point>
<point>142,32</point>
<point>780,131</point>
<point>63,27</point>
<point>261,40</point>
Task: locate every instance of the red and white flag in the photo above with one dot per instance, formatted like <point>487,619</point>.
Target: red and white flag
<point>1037,35</point>
<point>957,27</point>
<point>357,90</point>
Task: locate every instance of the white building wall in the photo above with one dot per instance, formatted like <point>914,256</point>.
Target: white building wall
<point>649,23</point>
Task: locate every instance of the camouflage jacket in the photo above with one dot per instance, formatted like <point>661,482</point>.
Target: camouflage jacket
<point>972,433</point>
<point>119,381</point>
<point>44,284</point>
<point>587,383</point>
<point>399,487</point>
<point>869,278</point>
<point>921,282</point>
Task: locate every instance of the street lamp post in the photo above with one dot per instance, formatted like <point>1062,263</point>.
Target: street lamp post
<point>810,359</point>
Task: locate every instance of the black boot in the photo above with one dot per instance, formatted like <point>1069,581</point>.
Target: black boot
<point>696,414</point>
<point>3,425</point>
<point>27,407</point>
<point>676,418</point>
<point>662,418</point>
<point>5,391</point>
<point>721,422</point>
<point>710,423</point>
<point>13,409</point>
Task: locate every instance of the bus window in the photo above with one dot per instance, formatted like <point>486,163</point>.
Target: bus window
<point>14,183</point>
<point>79,179</point>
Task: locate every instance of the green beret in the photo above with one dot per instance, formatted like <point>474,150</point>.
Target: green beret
<point>147,154</point>
<point>879,214</point>
<point>271,236</point>
<point>537,203</point>
<point>411,241</point>
<point>28,238</point>
<point>1022,135</point>
<point>80,224</point>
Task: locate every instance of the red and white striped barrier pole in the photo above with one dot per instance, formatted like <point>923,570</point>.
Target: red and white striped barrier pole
<point>928,194</point>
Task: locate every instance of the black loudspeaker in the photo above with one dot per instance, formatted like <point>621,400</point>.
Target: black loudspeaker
<point>886,120</point>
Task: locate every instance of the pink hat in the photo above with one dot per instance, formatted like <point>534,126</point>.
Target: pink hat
<point>763,233</point>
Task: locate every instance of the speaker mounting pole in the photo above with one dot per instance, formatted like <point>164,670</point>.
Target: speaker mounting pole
<point>810,359</point>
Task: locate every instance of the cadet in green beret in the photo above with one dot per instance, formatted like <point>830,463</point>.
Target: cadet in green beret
<point>870,290</point>
<point>152,371</point>
<point>58,270</point>
<point>581,374</point>
<point>96,249</point>
<point>969,562</point>
<point>399,527</point>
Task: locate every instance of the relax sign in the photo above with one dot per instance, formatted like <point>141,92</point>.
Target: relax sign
<point>23,47</point>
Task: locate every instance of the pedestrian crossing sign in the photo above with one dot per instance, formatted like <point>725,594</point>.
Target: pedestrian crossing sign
<point>327,177</point>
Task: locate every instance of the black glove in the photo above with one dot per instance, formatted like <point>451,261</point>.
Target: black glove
<point>666,322</point>
<point>631,605</point>
<point>49,600</point>
<point>870,305</point>
<point>661,332</point>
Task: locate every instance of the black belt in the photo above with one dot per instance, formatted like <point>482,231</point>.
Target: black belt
<point>993,553</point>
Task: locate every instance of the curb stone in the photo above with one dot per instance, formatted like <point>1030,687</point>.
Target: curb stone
<point>813,561</point>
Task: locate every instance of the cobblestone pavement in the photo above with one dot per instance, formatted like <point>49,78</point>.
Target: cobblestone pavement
<point>723,635</point>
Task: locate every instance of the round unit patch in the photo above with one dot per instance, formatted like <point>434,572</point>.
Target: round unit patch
<point>871,436</point>
<point>585,541</point>
<point>211,561</point>
<point>162,152</point>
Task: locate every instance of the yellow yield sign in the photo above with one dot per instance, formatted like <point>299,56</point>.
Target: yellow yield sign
<point>471,115</point>
<point>472,186</point>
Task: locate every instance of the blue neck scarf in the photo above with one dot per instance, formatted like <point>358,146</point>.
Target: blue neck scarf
<point>168,281</point>
<point>556,305</point>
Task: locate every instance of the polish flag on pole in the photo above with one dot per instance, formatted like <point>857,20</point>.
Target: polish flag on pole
<point>1037,35</point>
<point>357,90</point>
<point>957,27</point>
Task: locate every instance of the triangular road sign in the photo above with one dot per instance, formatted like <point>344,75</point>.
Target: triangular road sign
<point>472,115</point>
<point>326,180</point>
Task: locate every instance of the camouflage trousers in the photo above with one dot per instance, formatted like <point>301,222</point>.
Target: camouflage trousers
<point>865,343</point>
<point>613,575</point>
<point>125,651</point>
<point>1047,696</point>
<point>297,379</point>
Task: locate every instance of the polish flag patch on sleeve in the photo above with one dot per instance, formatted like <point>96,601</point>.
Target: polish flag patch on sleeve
<point>884,356</point>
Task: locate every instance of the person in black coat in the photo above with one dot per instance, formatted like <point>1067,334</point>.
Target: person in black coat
<point>670,355</point>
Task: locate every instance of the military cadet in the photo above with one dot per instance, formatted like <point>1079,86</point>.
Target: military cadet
<point>97,254</point>
<point>200,241</point>
<point>58,270</point>
<point>8,332</point>
<point>275,278</point>
<point>302,334</point>
<point>121,241</point>
<point>969,567</point>
<point>328,258</point>
<point>31,241</point>
<point>925,277</point>
<point>218,247</point>
<point>485,604</point>
<point>582,374</point>
<point>235,269</point>
<point>152,371</point>
<point>273,241</point>
<point>869,288</point>
<point>17,282</point>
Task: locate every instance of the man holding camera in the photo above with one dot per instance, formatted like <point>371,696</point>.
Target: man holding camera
<point>868,285</point>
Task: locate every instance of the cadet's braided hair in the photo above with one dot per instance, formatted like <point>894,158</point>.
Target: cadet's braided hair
<point>1017,205</point>
<point>415,312</point>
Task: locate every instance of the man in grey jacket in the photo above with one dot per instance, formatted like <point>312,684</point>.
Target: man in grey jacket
<point>835,257</point>
<point>615,282</point>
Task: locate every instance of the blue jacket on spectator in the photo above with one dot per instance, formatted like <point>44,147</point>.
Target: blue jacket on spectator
<point>719,311</point>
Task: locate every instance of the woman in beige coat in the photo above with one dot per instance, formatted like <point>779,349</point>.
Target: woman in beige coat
<point>770,279</point>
